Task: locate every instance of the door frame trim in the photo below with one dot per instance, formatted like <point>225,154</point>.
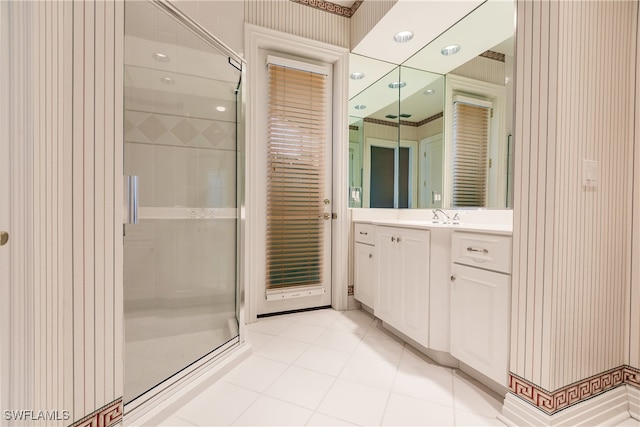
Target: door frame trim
<point>256,39</point>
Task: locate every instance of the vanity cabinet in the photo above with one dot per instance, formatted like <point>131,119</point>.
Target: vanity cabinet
<point>480,301</point>
<point>364,279</point>
<point>402,270</point>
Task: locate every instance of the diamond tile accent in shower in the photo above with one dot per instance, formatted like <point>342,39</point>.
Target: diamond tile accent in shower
<point>152,128</point>
<point>184,131</point>
<point>214,134</point>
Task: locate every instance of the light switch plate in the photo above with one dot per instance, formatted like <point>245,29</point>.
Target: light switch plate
<point>589,173</point>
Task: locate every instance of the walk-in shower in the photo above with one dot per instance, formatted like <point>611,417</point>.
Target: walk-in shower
<point>182,102</point>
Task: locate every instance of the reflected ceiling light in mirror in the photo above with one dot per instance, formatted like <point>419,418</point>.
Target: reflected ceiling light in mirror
<point>221,108</point>
<point>167,80</point>
<point>397,85</point>
<point>357,76</point>
<point>429,92</point>
<point>403,36</point>
<point>161,57</point>
<point>452,49</point>
<point>360,107</point>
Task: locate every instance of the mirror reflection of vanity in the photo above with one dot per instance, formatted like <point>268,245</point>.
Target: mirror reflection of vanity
<point>434,131</point>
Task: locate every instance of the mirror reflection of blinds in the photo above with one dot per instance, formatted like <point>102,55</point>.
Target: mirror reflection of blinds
<point>295,179</point>
<point>470,144</point>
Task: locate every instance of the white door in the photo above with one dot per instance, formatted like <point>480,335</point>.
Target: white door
<point>431,172</point>
<point>390,275</point>
<point>364,274</point>
<point>480,320</point>
<point>414,262</point>
<point>298,188</point>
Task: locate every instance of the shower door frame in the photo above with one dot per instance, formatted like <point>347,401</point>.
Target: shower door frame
<point>173,390</point>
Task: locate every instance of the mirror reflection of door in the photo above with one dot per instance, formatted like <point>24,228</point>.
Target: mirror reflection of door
<point>383,181</point>
<point>393,172</point>
<point>431,169</point>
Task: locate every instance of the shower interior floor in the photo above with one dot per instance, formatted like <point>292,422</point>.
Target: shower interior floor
<point>161,341</point>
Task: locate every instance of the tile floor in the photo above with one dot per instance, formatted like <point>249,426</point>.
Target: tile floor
<point>327,368</point>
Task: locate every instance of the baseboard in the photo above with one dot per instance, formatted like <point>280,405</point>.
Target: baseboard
<point>634,401</point>
<point>607,409</point>
<point>166,403</point>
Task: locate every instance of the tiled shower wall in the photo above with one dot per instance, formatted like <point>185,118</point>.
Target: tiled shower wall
<point>188,165</point>
<point>572,244</point>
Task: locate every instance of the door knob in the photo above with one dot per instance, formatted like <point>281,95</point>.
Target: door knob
<point>4,238</point>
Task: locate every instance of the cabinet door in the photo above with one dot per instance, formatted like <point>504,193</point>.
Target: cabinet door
<point>414,263</point>
<point>390,276</point>
<point>480,320</point>
<point>364,274</point>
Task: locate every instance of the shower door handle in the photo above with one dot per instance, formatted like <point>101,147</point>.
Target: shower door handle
<point>131,199</point>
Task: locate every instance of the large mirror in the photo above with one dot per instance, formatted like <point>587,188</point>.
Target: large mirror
<point>434,131</point>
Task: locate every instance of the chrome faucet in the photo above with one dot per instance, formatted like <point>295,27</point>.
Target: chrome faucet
<point>437,218</point>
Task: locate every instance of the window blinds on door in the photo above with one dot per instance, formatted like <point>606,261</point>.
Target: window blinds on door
<point>296,170</point>
<point>470,144</point>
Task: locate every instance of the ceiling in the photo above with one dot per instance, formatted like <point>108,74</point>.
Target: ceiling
<point>489,25</point>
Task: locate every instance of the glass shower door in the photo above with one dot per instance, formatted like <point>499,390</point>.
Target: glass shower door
<point>180,140</point>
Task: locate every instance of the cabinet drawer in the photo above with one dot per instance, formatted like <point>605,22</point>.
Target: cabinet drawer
<point>489,251</point>
<point>365,233</point>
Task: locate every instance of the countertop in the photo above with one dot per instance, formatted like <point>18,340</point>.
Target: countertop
<point>429,225</point>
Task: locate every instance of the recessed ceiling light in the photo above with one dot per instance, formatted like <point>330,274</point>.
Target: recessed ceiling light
<point>221,108</point>
<point>403,36</point>
<point>452,49</point>
<point>360,107</point>
<point>429,92</point>
<point>396,85</point>
<point>357,76</point>
<point>167,80</point>
<point>161,57</point>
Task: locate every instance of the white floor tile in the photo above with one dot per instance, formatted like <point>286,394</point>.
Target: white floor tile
<point>302,332</point>
<point>267,411</point>
<point>257,339</point>
<point>256,373</point>
<point>323,318</point>
<point>409,411</point>
<point>354,321</point>
<point>425,384</point>
<point>301,387</point>
<point>370,371</point>
<point>412,357</point>
<point>174,421</point>
<point>471,396</point>
<point>377,330</point>
<point>322,420</point>
<point>270,325</point>
<point>219,405</point>
<point>283,350</point>
<point>356,403</point>
<point>380,348</point>
<point>322,359</point>
<point>468,419</point>
<point>339,340</point>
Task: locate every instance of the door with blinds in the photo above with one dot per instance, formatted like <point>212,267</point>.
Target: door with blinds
<point>298,187</point>
<point>471,135</point>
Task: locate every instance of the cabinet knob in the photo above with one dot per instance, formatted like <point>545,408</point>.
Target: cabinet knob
<point>453,278</point>
<point>398,240</point>
<point>393,239</point>
<point>370,255</point>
